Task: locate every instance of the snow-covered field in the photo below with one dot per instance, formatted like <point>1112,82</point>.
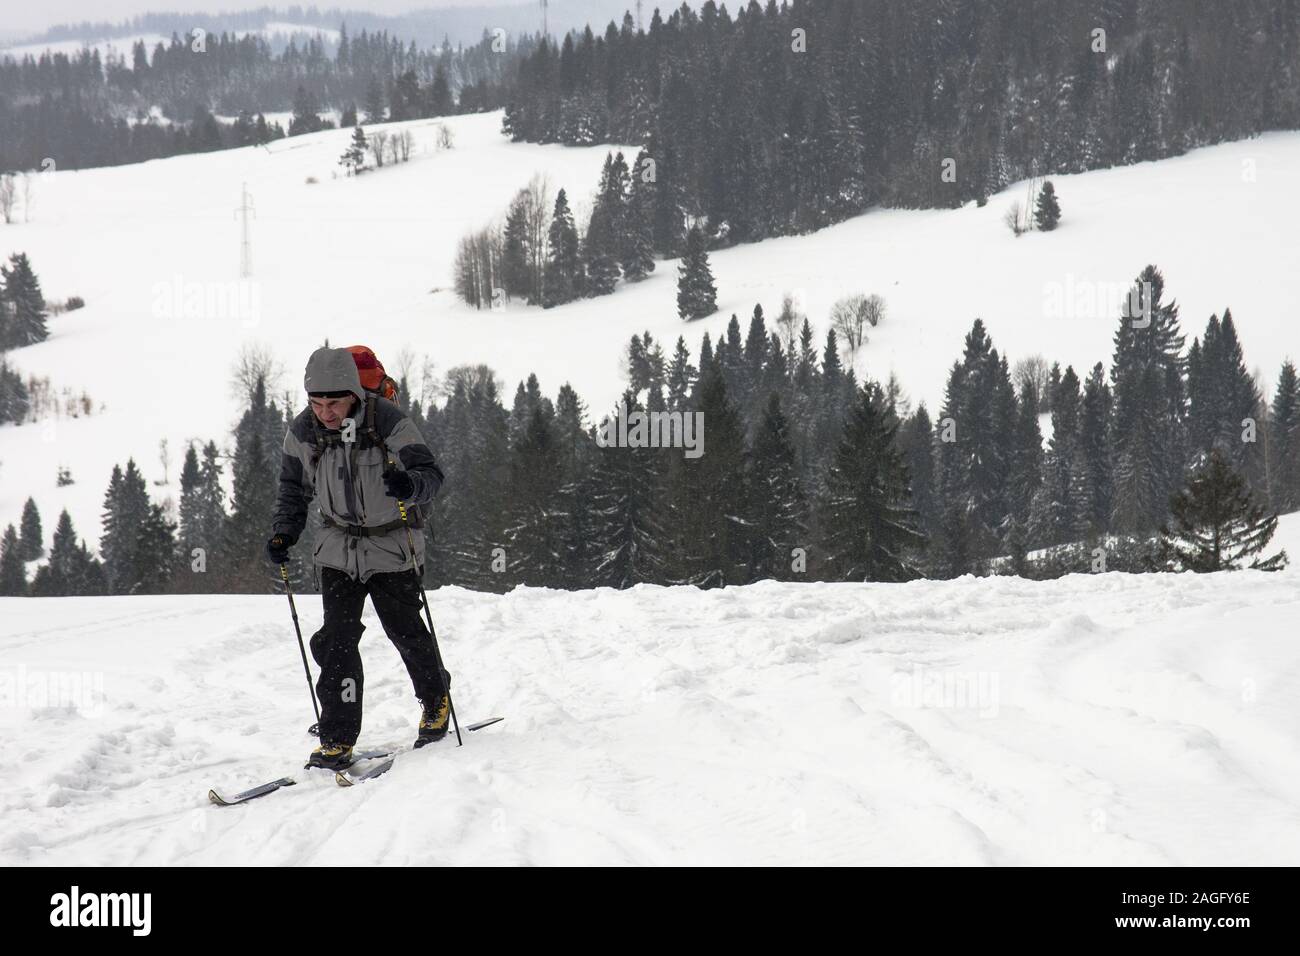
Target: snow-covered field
<point>120,46</point>
<point>1109,719</point>
<point>154,249</point>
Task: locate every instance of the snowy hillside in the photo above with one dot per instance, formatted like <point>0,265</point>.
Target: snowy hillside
<point>1141,720</point>
<point>278,33</point>
<point>154,249</point>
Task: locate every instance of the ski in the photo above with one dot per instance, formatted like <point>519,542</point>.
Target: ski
<point>260,791</point>
<point>252,794</point>
<point>351,776</point>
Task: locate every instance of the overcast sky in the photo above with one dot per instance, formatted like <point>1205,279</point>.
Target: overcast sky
<point>26,17</point>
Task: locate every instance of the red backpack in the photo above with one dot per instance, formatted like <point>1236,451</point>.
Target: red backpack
<point>373,377</point>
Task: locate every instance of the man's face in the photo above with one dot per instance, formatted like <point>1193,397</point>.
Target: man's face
<point>330,412</point>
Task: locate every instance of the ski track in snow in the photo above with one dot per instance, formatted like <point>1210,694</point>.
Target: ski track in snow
<point>1135,720</point>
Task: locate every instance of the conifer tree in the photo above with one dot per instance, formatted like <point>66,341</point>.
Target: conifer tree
<point>1216,525</point>
<point>779,520</point>
<point>1284,444</point>
<point>71,569</point>
<point>870,525</point>
<point>32,542</point>
<point>563,266</point>
<point>681,377</point>
<point>13,574</point>
<point>534,538</point>
<point>1150,417</point>
<point>353,159</point>
<point>1095,453</point>
<point>710,534</point>
<point>1047,211</point>
<point>696,294</point>
<point>21,304</point>
<point>624,514</point>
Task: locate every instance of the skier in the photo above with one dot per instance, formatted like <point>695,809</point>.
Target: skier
<point>359,456</point>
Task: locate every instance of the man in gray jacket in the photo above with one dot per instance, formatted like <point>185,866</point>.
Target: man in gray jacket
<point>358,455</point>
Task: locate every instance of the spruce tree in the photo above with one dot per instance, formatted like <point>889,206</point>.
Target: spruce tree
<point>374,101</point>
<point>916,442</point>
<point>13,574</point>
<point>1059,509</point>
<point>1095,453</point>
<point>71,569</point>
<point>1216,524</point>
<point>353,159</point>
<point>696,294</point>
<point>681,377</point>
<point>563,265</point>
<point>1047,211</point>
<point>22,299</point>
<point>637,253</point>
<point>577,487</point>
<point>867,516</point>
<point>626,529</point>
<point>534,539</point>
<point>32,542</point>
<point>1222,398</point>
<point>1150,420</point>
<point>1025,473</point>
<point>255,472</point>
<point>516,254</point>
<point>979,414</point>
<point>1284,443</point>
<point>778,515</point>
<point>120,518</point>
<point>710,533</point>
<point>14,400</point>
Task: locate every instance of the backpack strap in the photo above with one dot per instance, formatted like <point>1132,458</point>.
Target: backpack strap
<point>371,431</point>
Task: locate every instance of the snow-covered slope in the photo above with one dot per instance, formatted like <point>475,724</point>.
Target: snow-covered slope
<point>369,260</point>
<point>1108,719</point>
<point>279,33</point>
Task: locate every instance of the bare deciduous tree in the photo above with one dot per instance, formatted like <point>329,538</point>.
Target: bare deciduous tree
<point>379,146</point>
<point>471,377</point>
<point>1033,372</point>
<point>7,193</point>
<point>255,362</point>
<point>443,138</point>
<point>1012,218</point>
<point>849,319</point>
<point>29,187</point>
<point>875,309</point>
<point>788,323</point>
<point>404,142</point>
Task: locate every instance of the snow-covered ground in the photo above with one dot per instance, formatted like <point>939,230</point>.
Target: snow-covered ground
<point>278,33</point>
<point>1108,719</point>
<point>154,249</point>
<point>119,46</point>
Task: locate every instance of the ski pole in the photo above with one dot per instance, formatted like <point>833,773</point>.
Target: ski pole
<point>428,616</point>
<point>284,576</point>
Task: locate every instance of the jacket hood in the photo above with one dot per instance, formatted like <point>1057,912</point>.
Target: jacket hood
<point>333,370</point>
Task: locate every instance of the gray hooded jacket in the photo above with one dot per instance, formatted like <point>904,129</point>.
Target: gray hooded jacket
<point>343,470</point>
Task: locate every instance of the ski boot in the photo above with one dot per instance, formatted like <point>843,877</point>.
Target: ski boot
<point>331,756</point>
<point>433,722</point>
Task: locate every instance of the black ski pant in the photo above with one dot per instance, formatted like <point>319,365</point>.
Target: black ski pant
<point>396,597</point>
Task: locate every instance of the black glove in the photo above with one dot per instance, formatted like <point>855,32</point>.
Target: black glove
<point>277,549</point>
<point>398,484</point>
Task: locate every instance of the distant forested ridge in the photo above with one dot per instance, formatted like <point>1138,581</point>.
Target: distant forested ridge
<point>81,111</point>
<point>784,118</point>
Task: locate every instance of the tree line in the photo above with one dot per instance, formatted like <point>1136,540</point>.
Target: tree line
<point>1172,459</point>
<point>781,119</point>
<point>82,110</point>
